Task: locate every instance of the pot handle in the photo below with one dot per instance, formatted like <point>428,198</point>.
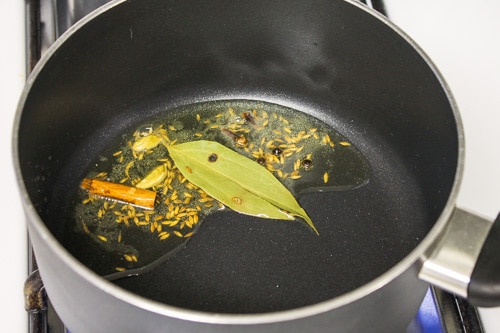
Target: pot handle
<point>484,285</point>
<point>466,259</point>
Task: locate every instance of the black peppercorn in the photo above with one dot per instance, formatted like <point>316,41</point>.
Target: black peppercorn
<point>307,164</point>
<point>213,157</point>
<point>277,151</point>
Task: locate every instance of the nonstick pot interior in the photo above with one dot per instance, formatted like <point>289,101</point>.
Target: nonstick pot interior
<point>330,59</point>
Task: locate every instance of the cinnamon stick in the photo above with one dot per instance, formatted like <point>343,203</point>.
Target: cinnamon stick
<point>128,194</point>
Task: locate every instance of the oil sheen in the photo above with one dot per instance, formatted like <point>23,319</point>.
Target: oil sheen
<point>304,153</point>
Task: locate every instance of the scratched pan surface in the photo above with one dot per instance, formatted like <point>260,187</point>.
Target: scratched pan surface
<point>348,69</point>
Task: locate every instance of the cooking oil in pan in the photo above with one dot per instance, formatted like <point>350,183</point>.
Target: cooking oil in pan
<point>302,152</point>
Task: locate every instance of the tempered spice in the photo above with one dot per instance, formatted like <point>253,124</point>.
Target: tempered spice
<point>288,143</point>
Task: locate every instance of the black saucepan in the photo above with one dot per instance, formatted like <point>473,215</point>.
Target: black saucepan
<point>335,60</point>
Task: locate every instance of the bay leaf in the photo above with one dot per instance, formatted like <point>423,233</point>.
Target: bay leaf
<point>236,181</point>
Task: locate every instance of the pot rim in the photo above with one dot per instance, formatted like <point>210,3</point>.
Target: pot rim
<point>418,254</point>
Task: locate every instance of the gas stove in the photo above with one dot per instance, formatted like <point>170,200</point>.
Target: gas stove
<point>440,312</point>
